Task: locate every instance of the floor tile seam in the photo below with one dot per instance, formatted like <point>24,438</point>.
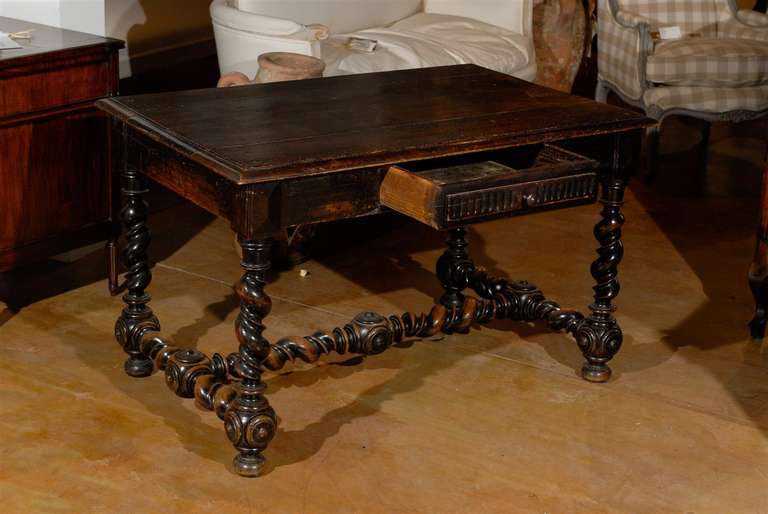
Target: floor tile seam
<point>629,390</point>
<point>91,396</point>
<point>273,296</point>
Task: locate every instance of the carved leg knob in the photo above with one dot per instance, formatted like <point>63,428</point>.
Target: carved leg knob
<point>250,424</point>
<point>184,369</point>
<point>374,334</point>
<point>129,332</point>
<point>599,340</point>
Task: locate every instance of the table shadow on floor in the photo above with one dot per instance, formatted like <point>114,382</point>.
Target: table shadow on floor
<point>710,217</point>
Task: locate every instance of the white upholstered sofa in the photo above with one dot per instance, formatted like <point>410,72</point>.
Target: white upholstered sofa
<point>496,34</point>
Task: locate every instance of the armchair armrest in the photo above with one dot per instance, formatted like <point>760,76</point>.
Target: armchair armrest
<point>632,20</point>
<point>745,24</point>
<point>244,21</point>
<point>624,43</point>
<point>242,36</point>
<point>752,19</point>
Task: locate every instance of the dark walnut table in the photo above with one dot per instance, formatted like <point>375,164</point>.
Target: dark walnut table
<point>447,146</point>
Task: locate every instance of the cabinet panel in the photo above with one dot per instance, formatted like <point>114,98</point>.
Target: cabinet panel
<point>66,86</point>
<point>53,177</point>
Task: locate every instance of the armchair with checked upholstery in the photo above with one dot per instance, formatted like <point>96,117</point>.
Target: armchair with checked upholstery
<point>717,71</point>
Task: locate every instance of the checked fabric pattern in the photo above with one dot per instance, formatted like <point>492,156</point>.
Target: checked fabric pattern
<point>705,99</point>
<point>720,65</point>
<point>709,62</point>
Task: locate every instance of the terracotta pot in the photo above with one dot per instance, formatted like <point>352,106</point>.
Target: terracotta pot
<point>278,67</point>
<point>282,66</point>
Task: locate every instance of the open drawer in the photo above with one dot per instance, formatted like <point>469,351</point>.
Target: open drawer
<point>450,195</point>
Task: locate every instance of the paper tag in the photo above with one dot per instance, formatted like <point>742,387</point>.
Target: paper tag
<point>670,32</point>
<point>6,43</point>
<point>359,44</point>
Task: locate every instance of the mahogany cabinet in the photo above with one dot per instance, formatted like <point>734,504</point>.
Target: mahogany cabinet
<point>54,145</point>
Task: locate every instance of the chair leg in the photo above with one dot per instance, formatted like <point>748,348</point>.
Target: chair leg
<point>652,137</point>
<point>758,270</point>
<point>706,129</point>
<point>601,91</point>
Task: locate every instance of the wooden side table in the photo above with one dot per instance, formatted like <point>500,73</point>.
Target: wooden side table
<point>447,146</point>
<point>54,144</point>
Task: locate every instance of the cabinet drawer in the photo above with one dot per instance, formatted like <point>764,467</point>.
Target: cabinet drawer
<point>518,181</point>
<point>53,88</point>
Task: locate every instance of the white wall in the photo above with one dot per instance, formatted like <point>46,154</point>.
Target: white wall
<point>159,30</point>
<point>153,29</point>
<point>153,25</point>
<point>47,12</point>
<point>81,15</point>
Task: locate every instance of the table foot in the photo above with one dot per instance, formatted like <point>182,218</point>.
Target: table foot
<point>249,464</point>
<point>138,366</point>
<point>599,340</point>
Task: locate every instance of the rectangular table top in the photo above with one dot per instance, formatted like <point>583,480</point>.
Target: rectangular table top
<point>272,132</point>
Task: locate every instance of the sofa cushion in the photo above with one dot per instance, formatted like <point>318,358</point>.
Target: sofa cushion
<point>714,100</point>
<point>709,62</point>
<point>427,40</point>
<point>338,15</point>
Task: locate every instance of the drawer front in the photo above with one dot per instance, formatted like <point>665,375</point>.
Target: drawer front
<point>54,177</point>
<point>54,88</point>
<point>470,205</point>
<point>444,195</point>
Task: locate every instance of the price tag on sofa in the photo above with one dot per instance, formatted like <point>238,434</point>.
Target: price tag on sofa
<point>670,32</point>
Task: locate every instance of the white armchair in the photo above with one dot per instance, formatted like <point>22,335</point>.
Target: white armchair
<point>410,33</point>
<point>718,70</point>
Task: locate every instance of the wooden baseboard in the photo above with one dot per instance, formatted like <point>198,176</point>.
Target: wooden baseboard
<point>142,63</point>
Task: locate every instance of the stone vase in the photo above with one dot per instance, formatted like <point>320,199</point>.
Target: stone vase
<point>559,35</point>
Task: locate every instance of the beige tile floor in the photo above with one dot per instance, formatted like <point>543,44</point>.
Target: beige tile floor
<point>494,422</point>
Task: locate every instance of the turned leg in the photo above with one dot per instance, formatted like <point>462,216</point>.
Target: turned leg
<point>452,268</point>
<point>137,318</point>
<point>758,270</point>
<point>250,422</point>
<point>599,337</point>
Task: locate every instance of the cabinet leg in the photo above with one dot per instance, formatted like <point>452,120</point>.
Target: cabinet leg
<point>250,422</point>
